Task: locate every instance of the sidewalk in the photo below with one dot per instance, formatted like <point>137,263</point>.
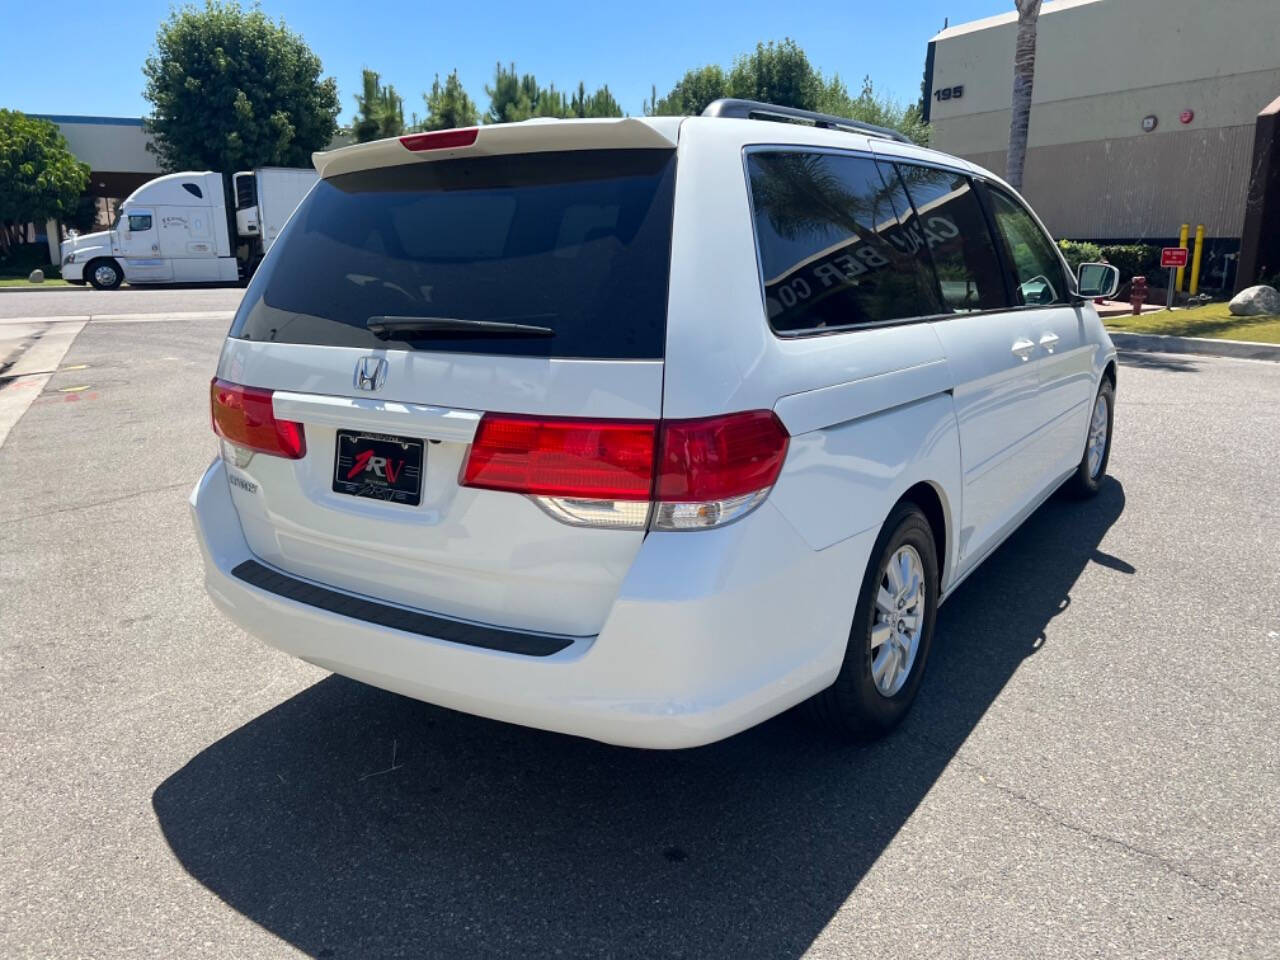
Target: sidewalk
<point>1122,308</point>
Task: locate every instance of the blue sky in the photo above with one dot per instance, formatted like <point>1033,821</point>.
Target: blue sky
<point>91,64</point>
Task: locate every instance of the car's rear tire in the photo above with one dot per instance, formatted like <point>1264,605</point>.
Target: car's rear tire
<point>104,274</point>
<point>1087,480</point>
<point>871,694</point>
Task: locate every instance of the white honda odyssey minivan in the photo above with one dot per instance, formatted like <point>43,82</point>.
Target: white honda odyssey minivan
<point>644,430</point>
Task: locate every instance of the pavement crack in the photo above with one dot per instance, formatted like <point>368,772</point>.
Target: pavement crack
<point>1213,886</point>
<point>94,503</point>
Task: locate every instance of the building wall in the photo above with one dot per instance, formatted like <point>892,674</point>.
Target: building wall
<point>1101,67</point>
<point>113,144</point>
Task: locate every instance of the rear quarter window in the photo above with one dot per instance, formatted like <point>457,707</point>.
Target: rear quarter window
<point>837,248</point>
<point>576,241</point>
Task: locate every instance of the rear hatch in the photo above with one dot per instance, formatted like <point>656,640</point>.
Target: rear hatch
<point>415,290</point>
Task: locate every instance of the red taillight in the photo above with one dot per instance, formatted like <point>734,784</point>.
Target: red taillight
<point>696,461</point>
<point>440,139</point>
<point>243,415</point>
<point>587,459</point>
<point>720,457</point>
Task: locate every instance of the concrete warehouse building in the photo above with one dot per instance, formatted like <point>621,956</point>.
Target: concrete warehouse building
<point>115,148</point>
<point>1145,116</point>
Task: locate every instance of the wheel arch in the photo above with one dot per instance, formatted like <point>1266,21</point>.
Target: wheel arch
<point>935,506</point>
<point>90,264</point>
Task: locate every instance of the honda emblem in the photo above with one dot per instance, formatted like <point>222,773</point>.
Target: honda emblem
<point>371,373</point>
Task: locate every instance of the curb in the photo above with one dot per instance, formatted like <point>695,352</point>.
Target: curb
<point>41,288</point>
<point>1162,343</point>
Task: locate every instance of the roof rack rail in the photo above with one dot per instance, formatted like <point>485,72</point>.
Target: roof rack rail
<point>755,110</point>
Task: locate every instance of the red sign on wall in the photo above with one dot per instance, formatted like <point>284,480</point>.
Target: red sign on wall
<point>1173,257</point>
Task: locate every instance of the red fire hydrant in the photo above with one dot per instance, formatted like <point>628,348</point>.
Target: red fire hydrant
<point>1138,294</point>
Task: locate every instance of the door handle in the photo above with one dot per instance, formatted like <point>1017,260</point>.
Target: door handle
<point>1023,348</point>
<point>1049,341</point>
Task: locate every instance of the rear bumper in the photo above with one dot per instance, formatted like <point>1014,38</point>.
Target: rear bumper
<point>711,633</point>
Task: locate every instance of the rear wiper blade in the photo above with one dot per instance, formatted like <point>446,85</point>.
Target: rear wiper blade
<point>386,327</point>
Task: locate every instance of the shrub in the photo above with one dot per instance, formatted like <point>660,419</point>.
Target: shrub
<point>1134,260</point>
<point>21,260</point>
<point>1078,252</point>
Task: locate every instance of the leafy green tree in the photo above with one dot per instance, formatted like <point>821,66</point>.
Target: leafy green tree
<point>781,73</point>
<point>552,103</point>
<point>380,110</point>
<point>870,106</point>
<point>231,88</point>
<point>777,73</point>
<point>692,93</point>
<point>599,104</point>
<point>448,105</point>
<point>40,178</point>
<point>505,96</point>
<point>513,98</point>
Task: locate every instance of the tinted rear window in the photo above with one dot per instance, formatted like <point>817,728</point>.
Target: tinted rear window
<point>579,242</point>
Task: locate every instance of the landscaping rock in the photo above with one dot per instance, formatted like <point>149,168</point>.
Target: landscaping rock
<point>37,276</point>
<point>1256,302</point>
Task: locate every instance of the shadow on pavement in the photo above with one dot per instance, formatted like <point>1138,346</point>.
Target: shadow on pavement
<point>488,839</point>
<point>1157,361</point>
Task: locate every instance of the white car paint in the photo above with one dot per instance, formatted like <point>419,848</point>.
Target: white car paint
<point>676,638</point>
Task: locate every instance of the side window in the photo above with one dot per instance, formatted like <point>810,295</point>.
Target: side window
<point>1038,269</point>
<point>833,252</point>
<point>140,222</point>
<point>246,191</point>
<point>193,189</point>
<point>956,232</point>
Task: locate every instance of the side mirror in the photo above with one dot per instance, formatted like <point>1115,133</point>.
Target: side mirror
<point>1094,280</point>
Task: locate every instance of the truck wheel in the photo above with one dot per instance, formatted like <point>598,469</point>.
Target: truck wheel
<point>104,274</point>
<point>891,634</point>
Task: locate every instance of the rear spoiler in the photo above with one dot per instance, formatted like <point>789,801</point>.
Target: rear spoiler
<point>530,136</point>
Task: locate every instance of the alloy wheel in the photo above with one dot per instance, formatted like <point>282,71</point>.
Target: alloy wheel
<point>899,620</point>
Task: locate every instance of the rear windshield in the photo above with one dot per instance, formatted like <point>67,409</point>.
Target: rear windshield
<point>579,242</point>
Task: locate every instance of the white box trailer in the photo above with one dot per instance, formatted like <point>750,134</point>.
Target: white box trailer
<point>179,229</point>
<point>266,198</point>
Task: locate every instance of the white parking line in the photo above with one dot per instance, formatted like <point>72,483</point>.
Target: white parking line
<point>30,372</point>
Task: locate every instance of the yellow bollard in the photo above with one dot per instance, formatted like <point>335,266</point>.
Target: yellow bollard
<point>1182,242</point>
<point>1195,260</point>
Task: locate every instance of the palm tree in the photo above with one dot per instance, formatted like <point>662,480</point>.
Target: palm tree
<point>1024,70</point>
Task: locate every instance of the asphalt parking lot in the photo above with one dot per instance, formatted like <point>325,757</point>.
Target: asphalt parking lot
<point>1093,768</point>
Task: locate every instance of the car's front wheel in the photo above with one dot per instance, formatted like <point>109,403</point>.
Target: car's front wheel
<point>104,274</point>
<point>891,635</point>
<point>1087,479</point>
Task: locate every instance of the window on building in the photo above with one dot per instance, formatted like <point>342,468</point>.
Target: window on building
<point>959,240</point>
<point>193,189</point>
<point>1040,278</point>
<point>833,251</point>
<point>140,222</point>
